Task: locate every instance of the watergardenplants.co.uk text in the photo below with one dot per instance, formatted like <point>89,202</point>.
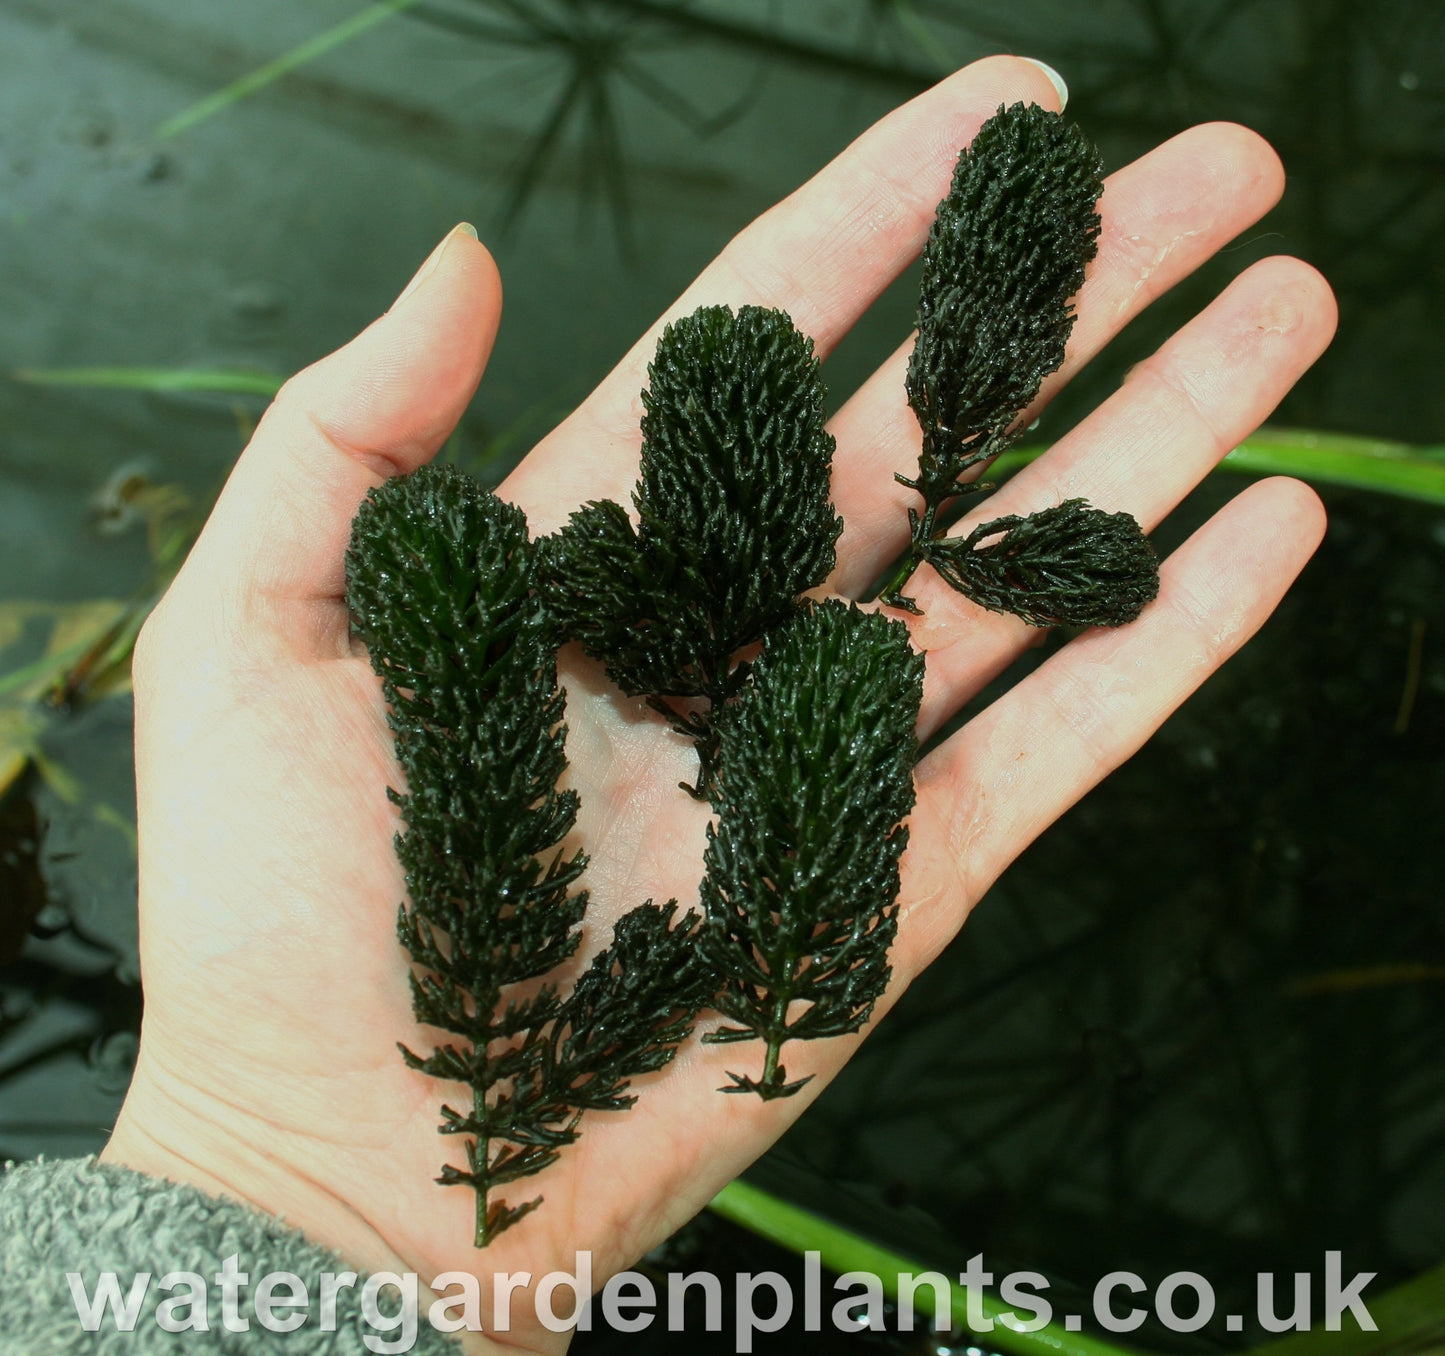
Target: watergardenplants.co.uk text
<point>389,1307</point>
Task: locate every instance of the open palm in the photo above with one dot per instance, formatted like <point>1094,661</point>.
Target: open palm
<point>275,990</point>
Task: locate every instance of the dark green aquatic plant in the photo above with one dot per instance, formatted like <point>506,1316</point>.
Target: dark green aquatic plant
<point>807,752</point>
<point>1069,565</point>
<point>441,587</point>
<point>815,778</point>
<point>734,519</point>
<point>1004,258</point>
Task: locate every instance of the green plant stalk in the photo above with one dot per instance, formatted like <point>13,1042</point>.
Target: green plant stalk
<point>248,84</point>
<point>1410,1317</point>
<point>216,381</point>
<point>780,1027</point>
<point>839,1250</point>
<point>922,533</point>
<point>43,667</point>
<point>1323,458</point>
<point>774,42</point>
<point>478,1150</point>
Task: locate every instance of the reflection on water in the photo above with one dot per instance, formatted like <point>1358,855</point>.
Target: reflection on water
<point>1118,1059</point>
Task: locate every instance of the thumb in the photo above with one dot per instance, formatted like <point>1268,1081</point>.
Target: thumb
<point>271,558</point>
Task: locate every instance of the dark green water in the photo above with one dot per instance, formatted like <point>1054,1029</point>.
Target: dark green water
<point>1129,1057</point>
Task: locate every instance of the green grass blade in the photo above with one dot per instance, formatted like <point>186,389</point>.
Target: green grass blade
<point>48,667</point>
<point>218,381</point>
<point>1333,459</point>
<point>325,41</point>
<point>1410,1317</point>
<point>1322,458</point>
<point>801,1231</point>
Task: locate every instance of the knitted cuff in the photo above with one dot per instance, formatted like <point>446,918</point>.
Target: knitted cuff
<point>96,1258</point>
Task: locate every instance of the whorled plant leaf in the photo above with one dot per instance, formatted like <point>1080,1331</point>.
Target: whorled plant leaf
<point>734,517</point>
<point>801,885</point>
<point>633,1005</point>
<point>598,571</point>
<point>1004,258</point>
<point>1070,565</point>
<point>441,584</point>
<point>1005,255</point>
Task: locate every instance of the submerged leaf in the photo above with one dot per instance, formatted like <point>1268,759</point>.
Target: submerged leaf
<point>802,867</point>
<point>633,1005</point>
<point>1004,257</point>
<point>441,583</point>
<point>1070,565</point>
<point>734,518</point>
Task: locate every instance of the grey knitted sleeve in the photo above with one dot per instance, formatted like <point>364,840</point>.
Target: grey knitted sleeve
<point>65,1225</point>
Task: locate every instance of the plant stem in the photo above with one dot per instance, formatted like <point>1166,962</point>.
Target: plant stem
<point>221,381</point>
<point>773,1082</point>
<point>1323,458</point>
<point>480,1149</point>
<point>720,684</point>
<point>891,594</point>
<point>779,1033</point>
<point>770,1064</point>
<point>1409,1311</point>
<point>313,47</point>
<point>801,1231</point>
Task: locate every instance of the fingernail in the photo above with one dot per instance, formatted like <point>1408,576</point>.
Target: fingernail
<point>1055,79</point>
<point>433,259</point>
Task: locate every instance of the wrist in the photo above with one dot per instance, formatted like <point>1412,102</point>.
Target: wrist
<point>179,1139</point>
<point>163,1141</point>
<point>173,1133</point>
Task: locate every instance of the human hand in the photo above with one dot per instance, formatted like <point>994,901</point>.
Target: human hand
<point>275,990</point>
